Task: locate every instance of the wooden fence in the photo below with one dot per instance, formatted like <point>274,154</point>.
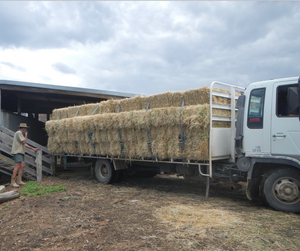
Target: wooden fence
<point>36,162</point>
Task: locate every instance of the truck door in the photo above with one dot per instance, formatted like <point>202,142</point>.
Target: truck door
<point>285,127</point>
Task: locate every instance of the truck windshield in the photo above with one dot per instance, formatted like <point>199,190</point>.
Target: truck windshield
<point>256,109</point>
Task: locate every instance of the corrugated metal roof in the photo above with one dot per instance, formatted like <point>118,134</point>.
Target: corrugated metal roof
<point>64,88</point>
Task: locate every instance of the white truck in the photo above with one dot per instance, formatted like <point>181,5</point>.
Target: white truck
<point>261,147</point>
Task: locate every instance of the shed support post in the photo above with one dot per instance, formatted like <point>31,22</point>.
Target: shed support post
<point>38,162</point>
<point>19,105</point>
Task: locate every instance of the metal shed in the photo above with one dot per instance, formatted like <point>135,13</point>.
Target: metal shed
<point>28,101</point>
<point>32,103</point>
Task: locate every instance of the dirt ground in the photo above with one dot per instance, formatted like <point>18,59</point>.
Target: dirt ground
<point>161,213</point>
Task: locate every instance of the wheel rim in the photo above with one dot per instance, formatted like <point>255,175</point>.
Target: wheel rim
<point>103,171</point>
<point>286,190</point>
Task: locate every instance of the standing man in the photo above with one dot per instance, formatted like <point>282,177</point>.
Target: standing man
<point>18,151</point>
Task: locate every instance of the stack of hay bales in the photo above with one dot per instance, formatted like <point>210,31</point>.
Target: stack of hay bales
<point>126,128</point>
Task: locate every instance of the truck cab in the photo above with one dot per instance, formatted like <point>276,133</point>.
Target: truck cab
<point>268,140</point>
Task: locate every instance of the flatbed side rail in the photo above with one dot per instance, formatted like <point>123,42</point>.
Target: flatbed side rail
<point>218,89</point>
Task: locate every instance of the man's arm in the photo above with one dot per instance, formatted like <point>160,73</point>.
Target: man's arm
<point>30,147</point>
<point>25,138</point>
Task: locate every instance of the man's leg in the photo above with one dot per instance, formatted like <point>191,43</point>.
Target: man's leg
<point>13,177</point>
<point>19,177</point>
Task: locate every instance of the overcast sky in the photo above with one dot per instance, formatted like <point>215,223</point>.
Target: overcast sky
<point>148,47</point>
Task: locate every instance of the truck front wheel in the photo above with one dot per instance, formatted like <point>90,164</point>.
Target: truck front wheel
<point>104,171</point>
<point>281,190</point>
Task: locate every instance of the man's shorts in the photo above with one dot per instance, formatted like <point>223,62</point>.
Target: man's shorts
<point>19,157</point>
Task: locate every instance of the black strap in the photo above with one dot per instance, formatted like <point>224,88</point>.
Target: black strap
<point>148,133</point>
<point>90,137</point>
<point>120,135</point>
<point>182,137</point>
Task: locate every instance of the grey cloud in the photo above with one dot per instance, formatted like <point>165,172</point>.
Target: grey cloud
<point>63,68</point>
<point>39,25</point>
<point>141,47</point>
<point>14,67</point>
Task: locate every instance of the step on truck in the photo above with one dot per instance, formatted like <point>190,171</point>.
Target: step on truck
<point>261,145</point>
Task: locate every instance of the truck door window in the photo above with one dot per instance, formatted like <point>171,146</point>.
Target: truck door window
<point>282,101</point>
<point>256,109</point>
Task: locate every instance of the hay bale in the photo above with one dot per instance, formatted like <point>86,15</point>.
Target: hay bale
<point>73,111</point>
<point>108,106</point>
<point>159,100</point>
<point>131,104</point>
<point>100,134</point>
<point>60,113</point>
<point>168,99</point>
<point>177,98</point>
<point>197,96</point>
<point>92,108</point>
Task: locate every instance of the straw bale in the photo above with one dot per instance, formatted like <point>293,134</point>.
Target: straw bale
<point>139,103</point>
<point>82,110</point>
<point>196,145</point>
<point>102,148</point>
<point>77,123</point>
<point>99,134</point>
<point>141,145</point>
<point>72,111</point>
<point>196,117</point>
<point>131,104</point>
<point>92,108</point>
<point>223,100</point>
<point>91,148</point>
<point>221,112</point>
<point>159,143</point>
<point>61,131</point>
<point>221,124</point>
<point>60,113</point>
<point>177,98</point>
<point>129,140</point>
<point>163,116</point>
<point>196,96</point>
<point>173,147</point>
<point>108,106</point>
<point>70,129</point>
<point>55,114</point>
<point>113,136</point>
<point>160,100</point>
<point>123,120</point>
<point>138,119</point>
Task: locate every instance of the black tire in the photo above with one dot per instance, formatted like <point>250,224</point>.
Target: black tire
<point>104,171</point>
<point>281,190</point>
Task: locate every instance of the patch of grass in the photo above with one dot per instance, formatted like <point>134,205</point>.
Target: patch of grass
<point>32,188</point>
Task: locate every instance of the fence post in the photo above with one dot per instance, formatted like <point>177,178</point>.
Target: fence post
<point>38,162</point>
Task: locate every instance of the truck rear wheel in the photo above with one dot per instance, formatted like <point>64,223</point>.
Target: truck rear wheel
<point>281,190</point>
<point>104,171</point>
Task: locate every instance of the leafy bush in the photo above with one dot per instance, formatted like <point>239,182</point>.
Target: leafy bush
<point>32,188</point>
